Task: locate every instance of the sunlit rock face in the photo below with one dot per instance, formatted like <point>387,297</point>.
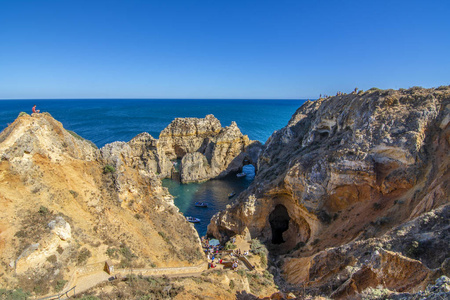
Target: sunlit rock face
<point>66,204</point>
<point>206,149</point>
<point>345,169</point>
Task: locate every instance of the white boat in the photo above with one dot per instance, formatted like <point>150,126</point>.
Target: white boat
<point>241,174</point>
<point>193,220</point>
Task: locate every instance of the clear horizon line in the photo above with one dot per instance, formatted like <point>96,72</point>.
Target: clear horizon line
<point>118,98</point>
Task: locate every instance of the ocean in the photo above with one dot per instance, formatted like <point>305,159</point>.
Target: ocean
<point>103,121</point>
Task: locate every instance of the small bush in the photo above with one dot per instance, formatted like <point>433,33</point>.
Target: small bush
<point>109,169</point>
<point>52,259</point>
<point>82,139</point>
<point>231,284</point>
<point>22,113</point>
<point>230,246</point>
<point>263,260</point>
<point>257,248</point>
<point>164,236</point>
<point>60,285</point>
<point>112,253</point>
<point>83,256</point>
<point>74,194</point>
<point>14,294</point>
<point>89,297</point>
<point>43,210</point>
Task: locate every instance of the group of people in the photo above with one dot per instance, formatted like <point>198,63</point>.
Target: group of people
<point>214,257</point>
<point>238,253</point>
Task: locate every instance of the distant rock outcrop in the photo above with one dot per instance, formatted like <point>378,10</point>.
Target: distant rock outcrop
<point>205,148</point>
<point>344,171</point>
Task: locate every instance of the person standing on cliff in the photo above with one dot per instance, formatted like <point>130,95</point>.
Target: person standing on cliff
<point>34,110</point>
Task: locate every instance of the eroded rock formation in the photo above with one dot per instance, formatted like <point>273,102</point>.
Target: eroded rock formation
<point>66,204</point>
<point>206,149</point>
<point>343,172</point>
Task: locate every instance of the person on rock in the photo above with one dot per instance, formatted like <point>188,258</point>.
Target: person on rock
<point>34,110</point>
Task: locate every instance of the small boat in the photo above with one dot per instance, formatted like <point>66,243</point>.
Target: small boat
<point>231,194</point>
<point>193,220</point>
<point>201,204</point>
<point>241,174</point>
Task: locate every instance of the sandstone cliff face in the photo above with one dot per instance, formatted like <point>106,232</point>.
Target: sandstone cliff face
<point>62,209</point>
<point>205,148</point>
<point>344,169</point>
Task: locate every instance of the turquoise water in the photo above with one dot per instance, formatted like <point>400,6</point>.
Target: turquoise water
<point>104,121</point>
<point>214,192</point>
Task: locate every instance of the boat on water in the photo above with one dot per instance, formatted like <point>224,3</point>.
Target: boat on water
<point>231,194</point>
<point>241,174</point>
<point>193,220</point>
<point>201,204</point>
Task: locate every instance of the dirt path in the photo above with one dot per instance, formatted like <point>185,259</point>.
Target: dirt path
<point>85,282</point>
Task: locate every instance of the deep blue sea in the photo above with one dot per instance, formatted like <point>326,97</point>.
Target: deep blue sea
<point>105,121</point>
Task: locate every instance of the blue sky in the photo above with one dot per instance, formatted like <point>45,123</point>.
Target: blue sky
<point>219,49</point>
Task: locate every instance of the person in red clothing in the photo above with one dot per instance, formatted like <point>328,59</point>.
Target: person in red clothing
<point>34,110</point>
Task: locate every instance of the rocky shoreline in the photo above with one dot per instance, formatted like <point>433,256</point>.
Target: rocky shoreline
<point>351,195</point>
<point>345,175</point>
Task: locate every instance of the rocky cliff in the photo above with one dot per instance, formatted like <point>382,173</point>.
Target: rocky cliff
<point>206,149</point>
<point>66,204</point>
<point>340,187</point>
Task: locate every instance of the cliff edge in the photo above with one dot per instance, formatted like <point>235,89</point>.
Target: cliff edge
<point>344,177</point>
<point>67,205</point>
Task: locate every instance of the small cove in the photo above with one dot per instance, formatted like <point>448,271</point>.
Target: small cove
<point>214,192</point>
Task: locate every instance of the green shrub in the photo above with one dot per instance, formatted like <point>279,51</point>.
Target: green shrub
<point>82,139</point>
<point>257,248</point>
<point>74,194</point>
<point>374,89</point>
<point>43,210</point>
<point>230,246</point>
<point>60,285</point>
<point>52,259</point>
<point>22,113</point>
<point>164,236</point>
<point>112,253</point>
<point>14,294</point>
<point>109,169</point>
<point>83,256</point>
<point>231,284</point>
<point>263,260</point>
<point>90,297</point>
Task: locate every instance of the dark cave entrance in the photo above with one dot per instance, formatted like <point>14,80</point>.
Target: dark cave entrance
<point>279,223</point>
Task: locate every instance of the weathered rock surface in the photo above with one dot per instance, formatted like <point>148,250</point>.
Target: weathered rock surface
<point>206,149</point>
<point>345,170</point>
<point>61,208</point>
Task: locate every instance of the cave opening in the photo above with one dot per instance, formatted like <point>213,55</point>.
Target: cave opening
<point>279,223</point>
